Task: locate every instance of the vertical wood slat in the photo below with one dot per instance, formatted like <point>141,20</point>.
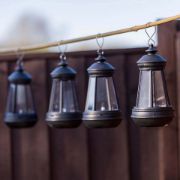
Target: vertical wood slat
<point>169,136</point>
<point>30,146</point>
<point>178,90</point>
<point>131,79</point>
<point>5,138</point>
<point>69,153</point>
<point>108,147</point>
<point>149,153</point>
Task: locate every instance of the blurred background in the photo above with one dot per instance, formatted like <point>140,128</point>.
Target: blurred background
<point>38,21</point>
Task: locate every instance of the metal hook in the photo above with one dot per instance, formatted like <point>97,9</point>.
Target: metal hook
<point>20,57</point>
<point>151,40</point>
<point>62,52</point>
<point>62,55</point>
<point>100,45</point>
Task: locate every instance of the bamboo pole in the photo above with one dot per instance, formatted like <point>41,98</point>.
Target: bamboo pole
<point>86,38</point>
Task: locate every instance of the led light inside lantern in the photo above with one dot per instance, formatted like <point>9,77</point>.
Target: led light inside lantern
<point>63,108</point>
<point>20,112</point>
<point>102,109</point>
<point>153,107</point>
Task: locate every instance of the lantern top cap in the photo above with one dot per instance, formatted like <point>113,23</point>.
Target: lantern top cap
<point>151,49</point>
<point>101,68</point>
<point>63,71</point>
<point>151,60</point>
<point>19,76</point>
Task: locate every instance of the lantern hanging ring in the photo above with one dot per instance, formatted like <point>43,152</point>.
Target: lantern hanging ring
<point>100,44</point>
<point>151,40</point>
<point>62,51</point>
<point>20,57</point>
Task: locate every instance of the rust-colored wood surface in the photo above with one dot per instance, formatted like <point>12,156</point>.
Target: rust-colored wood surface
<point>168,137</point>
<point>126,152</point>
<point>5,133</point>
<point>178,90</point>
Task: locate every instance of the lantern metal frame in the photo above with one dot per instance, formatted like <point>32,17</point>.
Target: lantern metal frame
<point>14,119</point>
<point>101,119</point>
<point>63,119</point>
<point>153,116</point>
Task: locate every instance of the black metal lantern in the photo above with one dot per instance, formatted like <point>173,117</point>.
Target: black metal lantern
<point>63,108</point>
<point>102,109</point>
<point>20,112</point>
<point>153,107</point>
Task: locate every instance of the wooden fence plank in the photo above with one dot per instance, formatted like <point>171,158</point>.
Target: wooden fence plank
<point>178,90</point>
<point>108,147</point>
<point>30,146</point>
<point>169,136</point>
<point>131,79</point>
<point>69,151</point>
<point>5,138</point>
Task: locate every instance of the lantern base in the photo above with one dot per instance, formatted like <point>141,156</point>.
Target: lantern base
<point>63,120</point>
<point>101,119</point>
<point>152,117</point>
<point>101,123</point>
<point>15,120</point>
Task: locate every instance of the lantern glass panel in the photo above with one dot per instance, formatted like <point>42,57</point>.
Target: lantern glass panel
<point>70,102</point>
<point>144,91</point>
<point>63,96</point>
<point>90,102</point>
<point>20,99</point>
<point>106,99</point>
<point>112,94</point>
<point>159,99</point>
<point>55,96</point>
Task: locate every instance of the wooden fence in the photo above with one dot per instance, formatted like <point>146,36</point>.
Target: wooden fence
<point>124,153</point>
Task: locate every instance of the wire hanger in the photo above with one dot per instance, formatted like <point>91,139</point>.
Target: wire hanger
<point>151,41</point>
<point>100,44</point>
<point>20,57</point>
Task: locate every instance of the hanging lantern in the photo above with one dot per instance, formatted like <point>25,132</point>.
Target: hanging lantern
<point>20,112</point>
<point>63,108</point>
<point>102,109</point>
<point>153,107</point>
